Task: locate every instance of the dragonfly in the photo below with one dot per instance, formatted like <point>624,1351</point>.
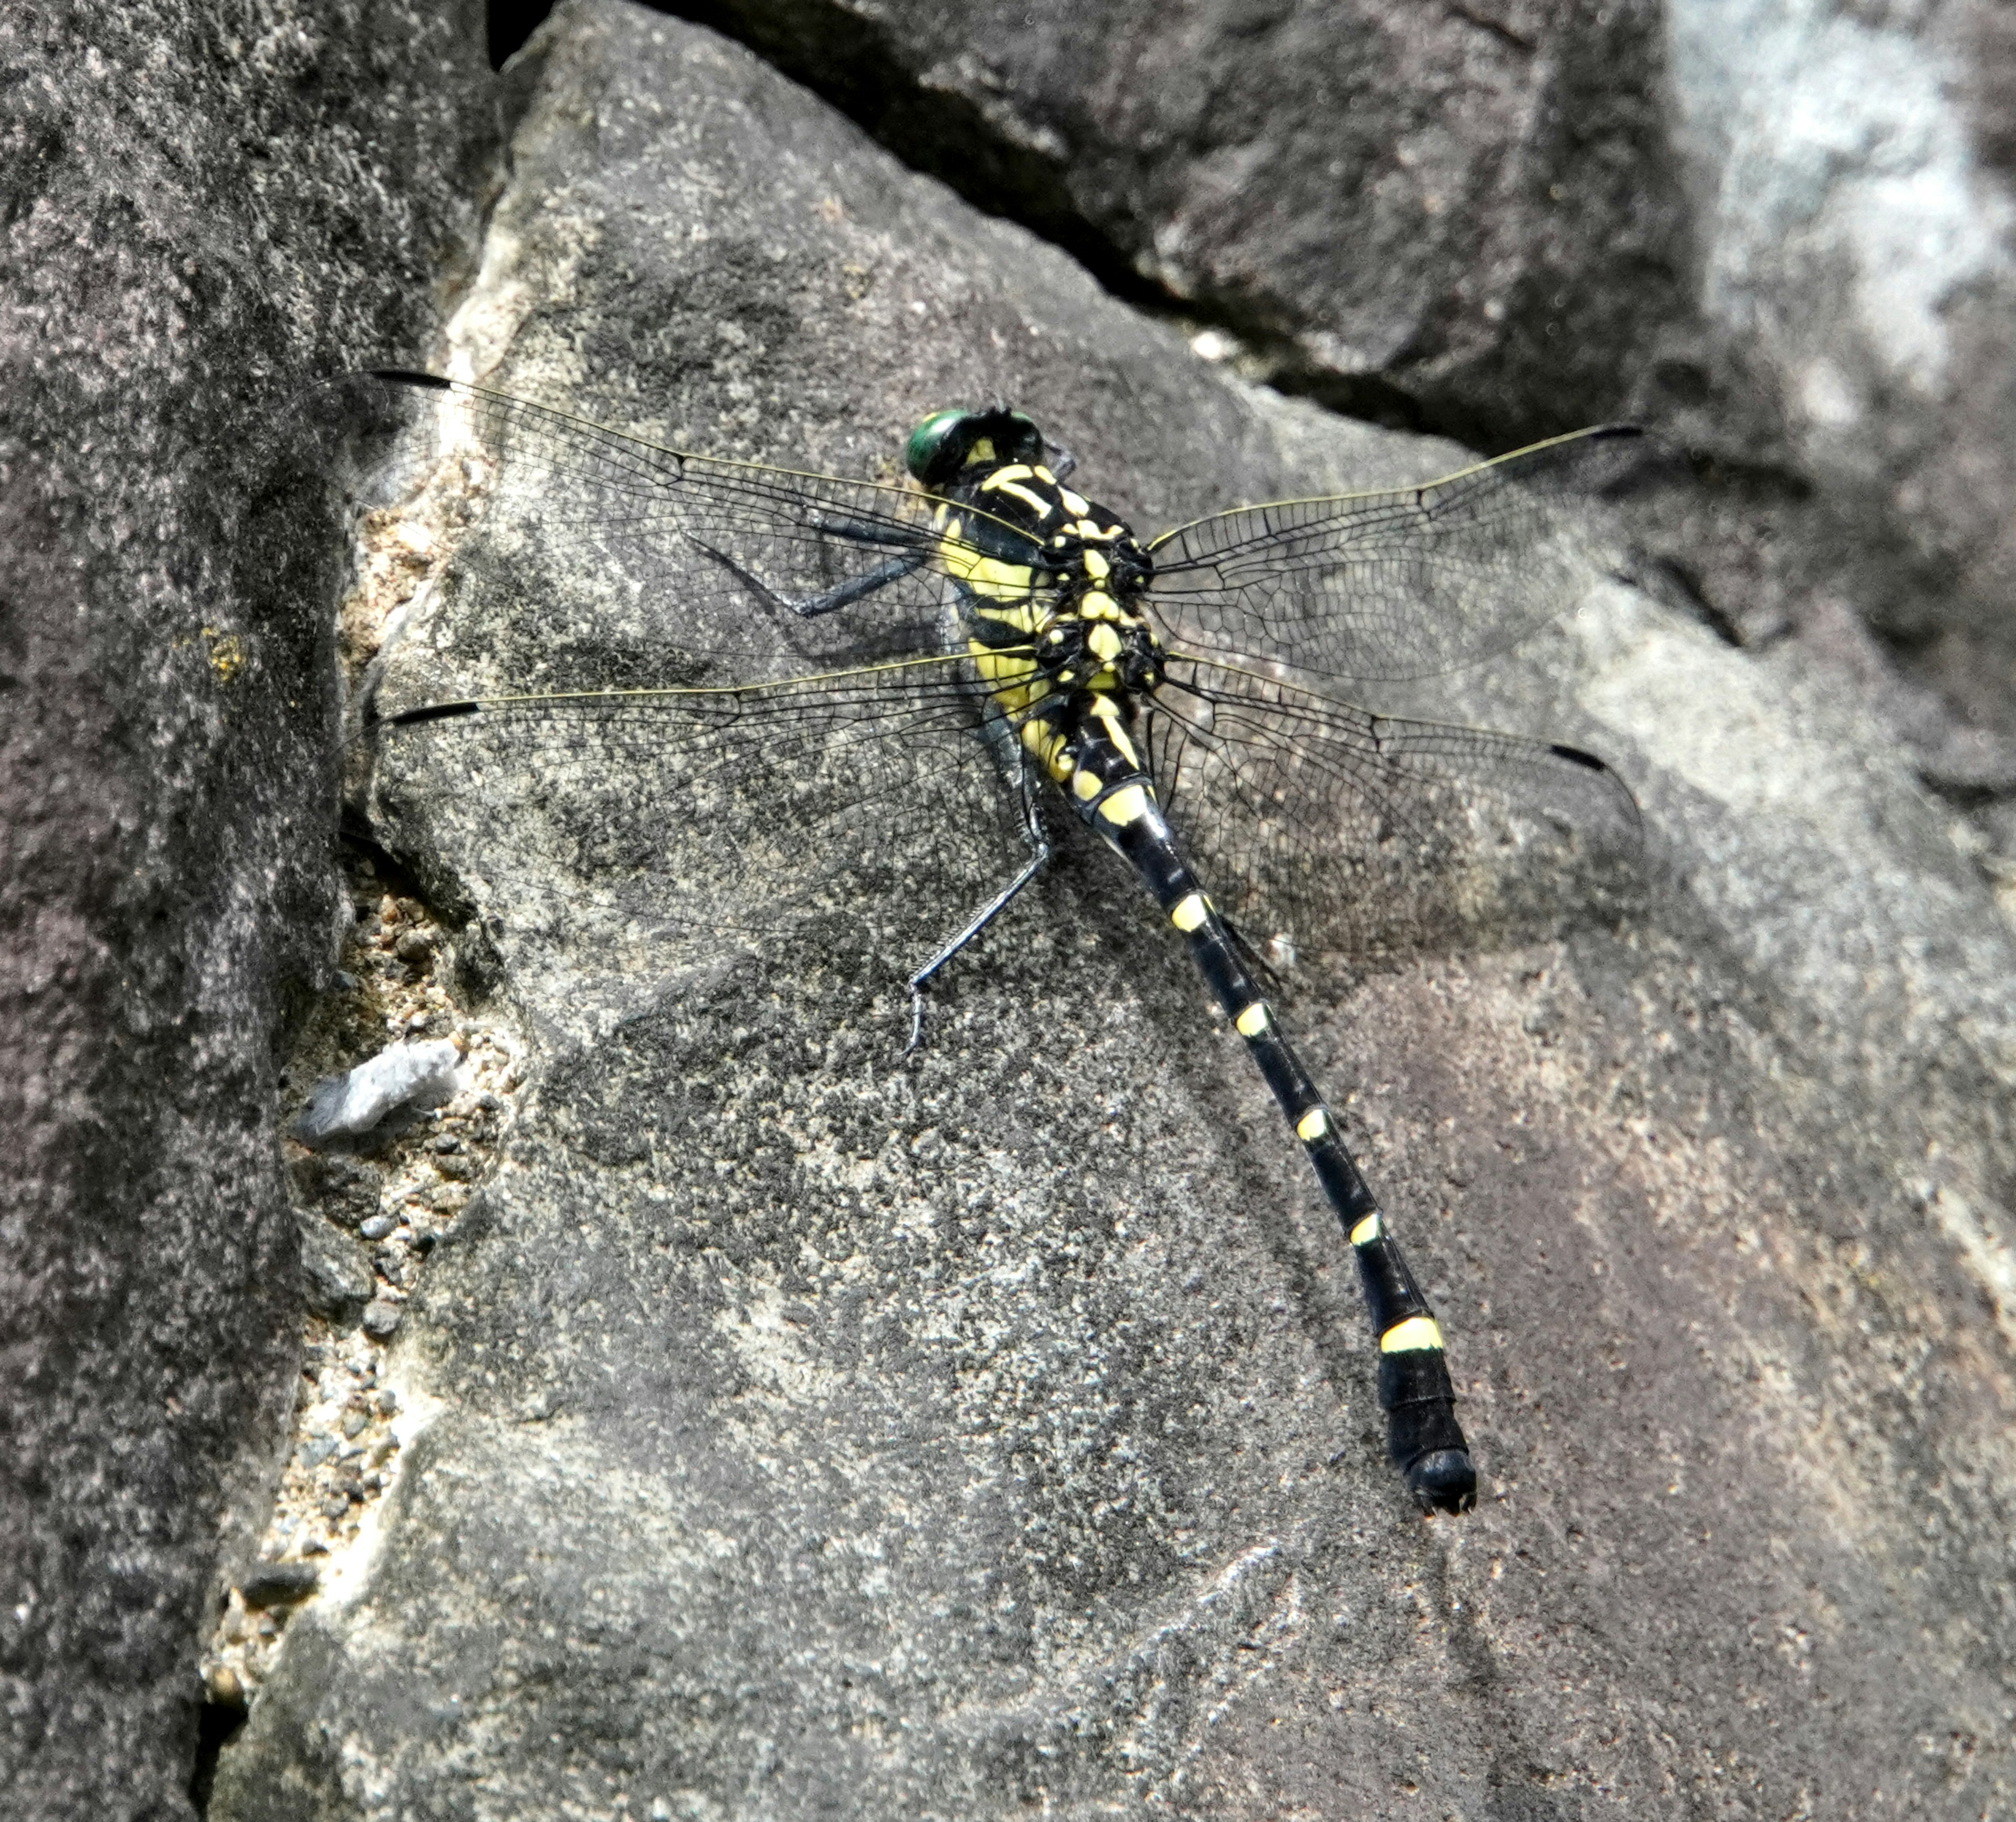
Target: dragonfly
<point>840,672</point>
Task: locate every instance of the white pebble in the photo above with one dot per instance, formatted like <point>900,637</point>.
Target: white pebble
<point>341,1107</point>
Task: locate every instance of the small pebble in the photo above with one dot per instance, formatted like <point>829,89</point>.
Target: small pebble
<point>334,1507</point>
<point>381,1318</point>
<point>317,1450</point>
<point>342,1106</point>
<point>415,948</point>
<point>353,1421</point>
<point>388,1401</point>
<point>377,1226</point>
<point>224,1687</point>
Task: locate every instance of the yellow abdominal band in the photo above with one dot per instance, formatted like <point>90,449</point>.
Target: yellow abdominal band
<point>1416,1332</point>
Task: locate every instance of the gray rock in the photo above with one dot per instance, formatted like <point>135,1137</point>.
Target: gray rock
<point>1780,232</point>
<point>279,1584</point>
<point>381,1318</point>
<point>821,1431</point>
<point>336,1275</point>
<point>200,211</point>
<point>342,1188</point>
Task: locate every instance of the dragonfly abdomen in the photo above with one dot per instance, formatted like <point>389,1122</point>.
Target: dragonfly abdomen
<point>1423,1435</point>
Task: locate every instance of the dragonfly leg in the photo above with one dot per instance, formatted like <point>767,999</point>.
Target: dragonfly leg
<point>1039,853</point>
<point>843,596</point>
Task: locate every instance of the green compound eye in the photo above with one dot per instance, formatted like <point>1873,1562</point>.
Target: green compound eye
<point>946,440</point>
<point>935,451</point>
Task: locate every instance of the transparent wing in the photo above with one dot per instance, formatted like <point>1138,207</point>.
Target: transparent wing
<point>715,531</point>
<point>1338,829</point>
<point>1405,584</point>
<point>703,818</point>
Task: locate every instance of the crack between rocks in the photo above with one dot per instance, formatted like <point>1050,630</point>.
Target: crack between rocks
<point>850,63</point>
<point>374,1207</point>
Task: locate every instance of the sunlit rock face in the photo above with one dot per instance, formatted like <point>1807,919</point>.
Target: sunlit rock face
<point>788,1425</point>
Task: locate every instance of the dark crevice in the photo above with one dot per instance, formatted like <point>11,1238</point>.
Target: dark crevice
<point>1496,28</point>
<point>511,22</point>
<point>216,1722</point>
<point>1967,794</point>
<point>848,62</point>
<point>851,64</point>
<point>1674,581</point>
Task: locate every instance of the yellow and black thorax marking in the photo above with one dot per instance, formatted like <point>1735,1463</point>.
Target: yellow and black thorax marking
<point>1050,588</point>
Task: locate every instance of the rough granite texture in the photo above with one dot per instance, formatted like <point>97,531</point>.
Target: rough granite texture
<point>1782,230</point>
<point>201,207</point>
<point>817,1431</point>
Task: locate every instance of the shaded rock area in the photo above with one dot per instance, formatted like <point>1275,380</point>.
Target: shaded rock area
<point>201,209</point>
<point>373,1199</point>
<point>1779,231</point>
<point>813,1430</point>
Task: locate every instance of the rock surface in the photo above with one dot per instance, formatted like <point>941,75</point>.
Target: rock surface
<point>201,209</point>
<point>820,1431</point>
<point>1780,231</point>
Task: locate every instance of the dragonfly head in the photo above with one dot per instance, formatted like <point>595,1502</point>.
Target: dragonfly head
<point>947,443</point>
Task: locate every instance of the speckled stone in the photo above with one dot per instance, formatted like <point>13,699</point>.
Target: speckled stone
<point>203,208</point>
<point>278,1584</point>
<point>336,1276</point>
<point>992,1431</point>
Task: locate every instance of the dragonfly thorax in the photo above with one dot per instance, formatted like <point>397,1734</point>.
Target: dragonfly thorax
<point>1051,584</point>
<point>1095,644</point>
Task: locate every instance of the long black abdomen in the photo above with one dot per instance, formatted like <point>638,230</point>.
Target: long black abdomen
<point>1423,1436</point>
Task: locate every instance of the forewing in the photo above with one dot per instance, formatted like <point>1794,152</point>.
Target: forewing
<point>712,539</point>
<point>1405,584</point>
<point>1340,830</point>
